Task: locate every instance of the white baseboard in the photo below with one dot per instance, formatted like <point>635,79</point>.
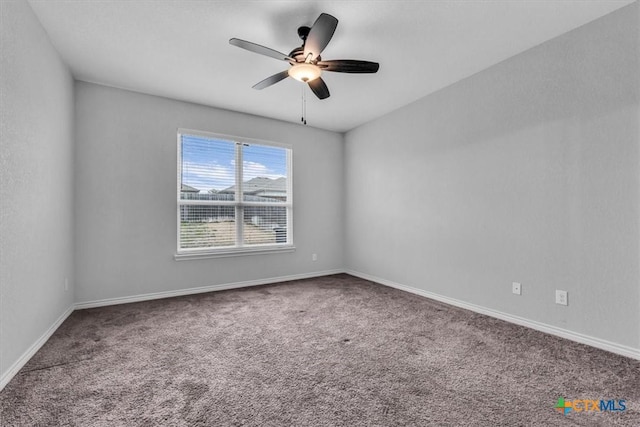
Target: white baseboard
<point>199,290</point>
<point>563,333</point>
<point>27,355</point>
<point>620,349</point>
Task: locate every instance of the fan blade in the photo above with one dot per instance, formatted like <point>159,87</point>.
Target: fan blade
<point>319,87</point>
<point>272,80</point>
<point>349,66</point>
<point>320,35</point>
<point>256,48</point>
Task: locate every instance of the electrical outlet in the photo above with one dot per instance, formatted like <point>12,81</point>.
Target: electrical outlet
<point>66,284</point>
<point>562,297</point>
<point>314,257</point>
<point>516,288</point>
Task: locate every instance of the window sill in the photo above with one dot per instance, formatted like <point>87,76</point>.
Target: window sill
<point>224,253</point>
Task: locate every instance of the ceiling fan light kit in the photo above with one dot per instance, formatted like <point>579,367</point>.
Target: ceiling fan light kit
<point>305,62</point>
<point>304,72</point>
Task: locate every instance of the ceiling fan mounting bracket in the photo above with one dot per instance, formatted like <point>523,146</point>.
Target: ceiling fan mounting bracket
<point>303,32</point>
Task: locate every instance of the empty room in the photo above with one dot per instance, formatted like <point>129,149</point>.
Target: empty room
<point>320,213</point>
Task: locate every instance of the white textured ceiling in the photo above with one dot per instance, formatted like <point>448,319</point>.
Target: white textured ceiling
<point>180,49</point>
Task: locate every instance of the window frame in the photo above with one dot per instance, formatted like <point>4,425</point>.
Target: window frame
<point>239,204</point>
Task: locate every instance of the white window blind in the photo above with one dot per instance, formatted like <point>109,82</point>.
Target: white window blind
<point>234,194</point>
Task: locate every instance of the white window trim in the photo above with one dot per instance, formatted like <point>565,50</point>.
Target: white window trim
<point>240,250</point>
<point>243,251</point>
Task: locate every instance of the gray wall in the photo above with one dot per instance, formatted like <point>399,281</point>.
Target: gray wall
<point>126,196</point>
<point>528,171</point>
<point>36,183</point>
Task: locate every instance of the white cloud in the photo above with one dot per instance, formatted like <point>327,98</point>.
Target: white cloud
<point>205,176</point>
<point>253,169</point>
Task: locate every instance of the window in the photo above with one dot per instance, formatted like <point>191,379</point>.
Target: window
<point>234,195</point>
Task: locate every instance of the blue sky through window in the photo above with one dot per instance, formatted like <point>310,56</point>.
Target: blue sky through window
<point>209,163</point>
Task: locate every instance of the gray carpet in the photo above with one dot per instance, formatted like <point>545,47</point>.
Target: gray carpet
<point>330,351</point>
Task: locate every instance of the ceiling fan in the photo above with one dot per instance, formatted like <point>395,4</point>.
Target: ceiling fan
<point>306,63</point>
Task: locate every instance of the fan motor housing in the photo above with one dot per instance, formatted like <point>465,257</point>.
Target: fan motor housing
<point>298,55</point>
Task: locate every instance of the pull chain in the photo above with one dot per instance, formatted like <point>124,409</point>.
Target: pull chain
<point>303,119</point>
